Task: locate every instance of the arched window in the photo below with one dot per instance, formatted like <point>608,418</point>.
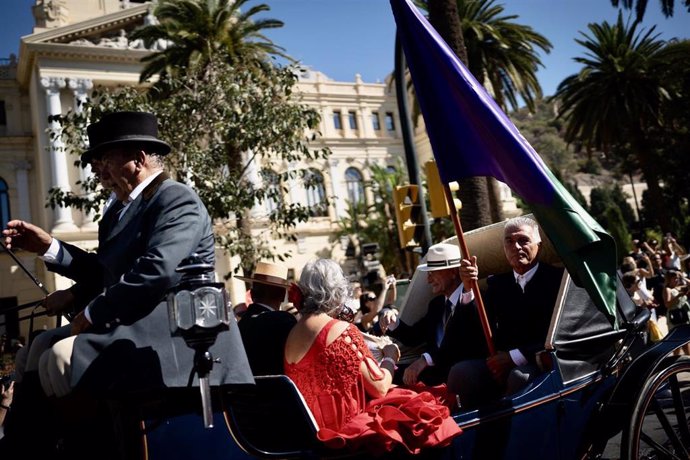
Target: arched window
<point>355,186</point>
<point>4,203</point>
<point>274,194</point>
<point>316,193</point>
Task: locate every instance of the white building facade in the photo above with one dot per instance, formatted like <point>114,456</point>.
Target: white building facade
<point>78,46</point>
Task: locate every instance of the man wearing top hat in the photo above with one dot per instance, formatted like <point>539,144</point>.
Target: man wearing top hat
<point>450,328</point>
<point>264,327</point>
<point>121,340</point>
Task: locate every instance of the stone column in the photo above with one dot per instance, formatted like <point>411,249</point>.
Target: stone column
<point>336,190</point>
<point>345,120</point>
<point>366,128</point>
<point>21,169</point>
<point>81,87</point>
<point>58,161</point>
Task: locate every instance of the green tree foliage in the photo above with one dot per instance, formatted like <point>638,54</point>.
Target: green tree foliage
<point>602,198</point>
<point>222,124</point>
<point>501,53</point>
<point>618,229</point>
<point>609,206</point>
<point>541,129</point>
<point>376,223</point>
<point>618,95</point>
<point>195,31</point>
<point>641,6</point>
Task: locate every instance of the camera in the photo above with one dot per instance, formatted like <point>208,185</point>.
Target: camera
<point>5,381</point>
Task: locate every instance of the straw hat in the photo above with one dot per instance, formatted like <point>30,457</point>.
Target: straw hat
<point>268,273</point>
<point>440,257</point>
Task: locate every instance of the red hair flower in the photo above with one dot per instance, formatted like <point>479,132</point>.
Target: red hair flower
<point>295,296</point>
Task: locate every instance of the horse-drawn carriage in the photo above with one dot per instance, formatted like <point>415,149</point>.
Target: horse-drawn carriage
<point>604,390</point>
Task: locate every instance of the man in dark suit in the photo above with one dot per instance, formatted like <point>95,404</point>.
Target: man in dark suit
<point>450,328</point>
<point>264,327</point>
<point>121,340</point>
<point>161,223</point>
<point>28,392</point>
<point>519,305</point>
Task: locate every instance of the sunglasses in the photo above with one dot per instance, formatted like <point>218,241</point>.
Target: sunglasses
<point>371,298</point>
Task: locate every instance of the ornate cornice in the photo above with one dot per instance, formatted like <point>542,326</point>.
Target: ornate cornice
<point>56,42</point>
<point>108,22</point>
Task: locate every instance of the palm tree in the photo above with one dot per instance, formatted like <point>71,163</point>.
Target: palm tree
<point>617,96</point>
<point>197,30</point>
<point>641,7</point>
<point>474,191</point>
<point>502,54</point>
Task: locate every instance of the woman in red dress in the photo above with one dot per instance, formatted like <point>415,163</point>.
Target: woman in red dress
<point>350,394</point>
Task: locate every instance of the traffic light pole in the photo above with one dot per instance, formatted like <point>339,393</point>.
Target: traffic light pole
<point>408,141</point>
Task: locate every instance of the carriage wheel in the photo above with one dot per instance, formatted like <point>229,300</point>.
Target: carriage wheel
<point>658,426</point>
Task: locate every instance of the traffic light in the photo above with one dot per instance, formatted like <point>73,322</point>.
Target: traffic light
<point>408,215</point>
<point>437,196</point>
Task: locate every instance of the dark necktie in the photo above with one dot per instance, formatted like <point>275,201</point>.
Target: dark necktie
<point>447,313</point>
<point>109,219</point>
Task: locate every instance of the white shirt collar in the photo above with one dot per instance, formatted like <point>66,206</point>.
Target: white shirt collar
<point>109,202</point>
<point>140,188</point>
<point>522,280</point>
<point>455,296</point>
<point>136,192</point>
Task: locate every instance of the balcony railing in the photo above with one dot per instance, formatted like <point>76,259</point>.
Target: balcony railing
<point>8,68</point>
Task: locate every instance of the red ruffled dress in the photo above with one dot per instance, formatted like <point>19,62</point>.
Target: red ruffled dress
<point>329,378</point>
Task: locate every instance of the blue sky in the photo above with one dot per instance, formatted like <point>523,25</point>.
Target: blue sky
<point>344,37</point>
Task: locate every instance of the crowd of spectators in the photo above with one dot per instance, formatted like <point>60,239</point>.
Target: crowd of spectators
<point>657,276</point>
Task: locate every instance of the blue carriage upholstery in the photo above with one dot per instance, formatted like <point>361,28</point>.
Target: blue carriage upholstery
<point>271,419</point>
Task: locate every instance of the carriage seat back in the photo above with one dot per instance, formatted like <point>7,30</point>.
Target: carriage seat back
<point>271,419</point>
<point>487,244</point>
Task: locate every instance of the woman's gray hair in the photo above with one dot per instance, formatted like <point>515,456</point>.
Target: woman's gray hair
<point>324,286</point>
<point>523,221</point>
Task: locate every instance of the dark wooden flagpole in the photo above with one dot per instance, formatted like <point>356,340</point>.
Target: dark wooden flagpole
<point>483,318</point>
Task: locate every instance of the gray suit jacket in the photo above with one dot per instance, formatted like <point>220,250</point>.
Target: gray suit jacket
<point>130,347</point>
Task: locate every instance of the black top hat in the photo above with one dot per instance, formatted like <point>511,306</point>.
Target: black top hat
<point>119,128</point>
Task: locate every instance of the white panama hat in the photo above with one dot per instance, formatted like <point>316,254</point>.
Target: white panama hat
<point>440,257</point>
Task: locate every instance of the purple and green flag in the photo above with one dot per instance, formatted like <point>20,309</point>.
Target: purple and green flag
<point>471,136</point>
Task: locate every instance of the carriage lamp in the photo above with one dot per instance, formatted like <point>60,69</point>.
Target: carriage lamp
<point>198,310</point>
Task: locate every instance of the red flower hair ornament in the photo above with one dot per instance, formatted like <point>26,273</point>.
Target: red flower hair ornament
<point>295,296</point>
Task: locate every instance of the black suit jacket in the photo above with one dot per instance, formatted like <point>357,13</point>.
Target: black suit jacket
<point>521,319</point>
<point>88,283</point>
<point>264,333</point>
<point>130,346</point>
<point>463,338</point>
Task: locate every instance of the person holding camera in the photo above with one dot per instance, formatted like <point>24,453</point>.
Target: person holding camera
<point>673,251</point>
<point>370,304</point>
<point>676,301</point>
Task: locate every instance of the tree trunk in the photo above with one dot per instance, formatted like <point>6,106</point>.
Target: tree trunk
<point>474,191</point>
<point>658,208</point>
<point>497,214</point>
